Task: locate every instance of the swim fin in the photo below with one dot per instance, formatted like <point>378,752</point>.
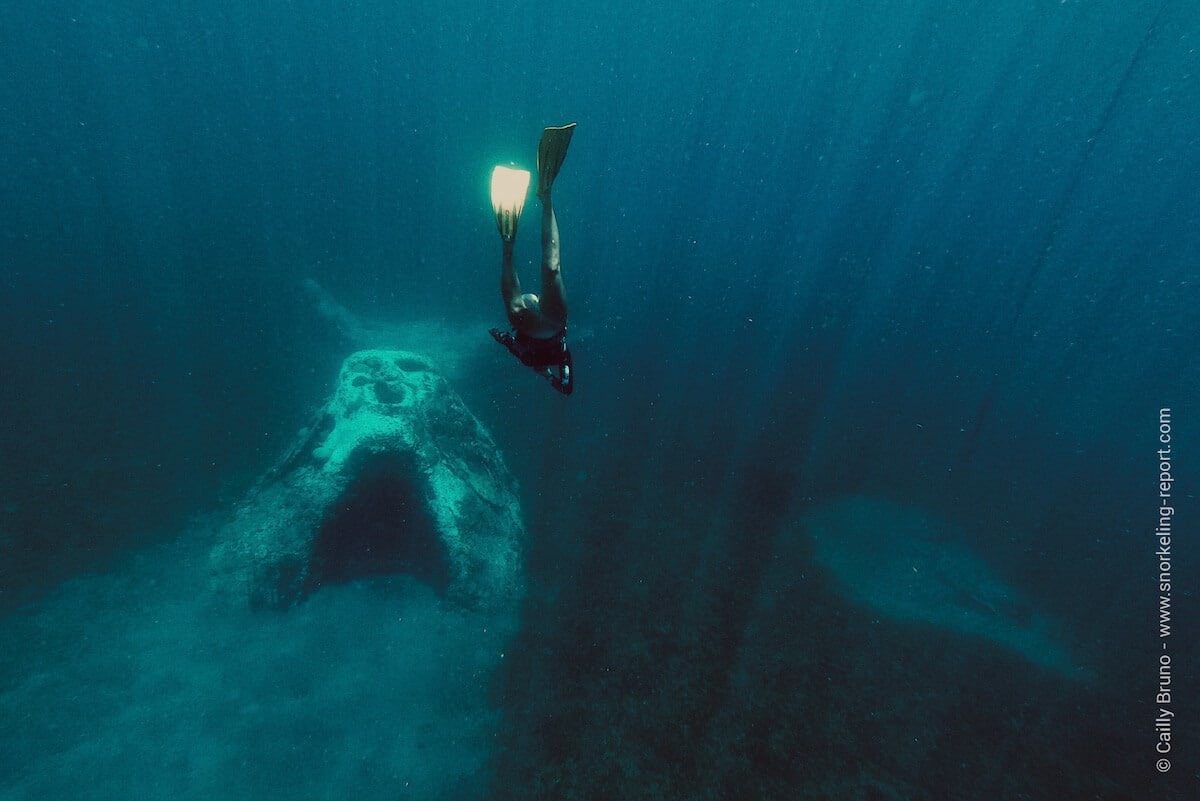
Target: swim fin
<point>552,149</point>
<point>509,187</point>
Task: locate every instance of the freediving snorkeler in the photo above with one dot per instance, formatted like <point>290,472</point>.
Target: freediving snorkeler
<point>539,335</point>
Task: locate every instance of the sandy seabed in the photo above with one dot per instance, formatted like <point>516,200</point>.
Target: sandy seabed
<point>144,683</point>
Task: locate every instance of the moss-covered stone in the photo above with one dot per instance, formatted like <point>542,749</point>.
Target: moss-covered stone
<point>394,475</point>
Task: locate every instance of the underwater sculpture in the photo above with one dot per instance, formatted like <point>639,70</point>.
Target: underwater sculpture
<point>395,475</point>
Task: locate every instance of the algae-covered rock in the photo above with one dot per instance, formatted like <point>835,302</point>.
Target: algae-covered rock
<point>395,475</point>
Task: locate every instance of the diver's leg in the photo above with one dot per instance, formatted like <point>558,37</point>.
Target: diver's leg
<point>554,297</point>
<point>510,285</point>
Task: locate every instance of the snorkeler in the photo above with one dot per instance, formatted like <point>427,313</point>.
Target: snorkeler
<point>539,337</point>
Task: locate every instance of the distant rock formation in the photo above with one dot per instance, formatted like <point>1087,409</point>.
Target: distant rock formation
<point>910,566</point>
<point>395,475</point>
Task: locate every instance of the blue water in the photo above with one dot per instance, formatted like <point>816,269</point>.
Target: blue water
<point>939,253</point>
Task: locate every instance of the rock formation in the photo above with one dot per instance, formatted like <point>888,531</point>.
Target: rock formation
<point>910,566</point>
<point>395,475</point>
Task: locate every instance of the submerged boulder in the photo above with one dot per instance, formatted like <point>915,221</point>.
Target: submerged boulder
<point>395,475</point>
<point>910,566</point>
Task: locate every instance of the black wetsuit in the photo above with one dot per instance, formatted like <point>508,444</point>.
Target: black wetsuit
<point>549,358</point>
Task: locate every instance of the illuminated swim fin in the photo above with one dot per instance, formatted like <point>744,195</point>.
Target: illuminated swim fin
<point>509,188</point>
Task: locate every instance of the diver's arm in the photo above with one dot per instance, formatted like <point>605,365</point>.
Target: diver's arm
<point>564,380</point>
